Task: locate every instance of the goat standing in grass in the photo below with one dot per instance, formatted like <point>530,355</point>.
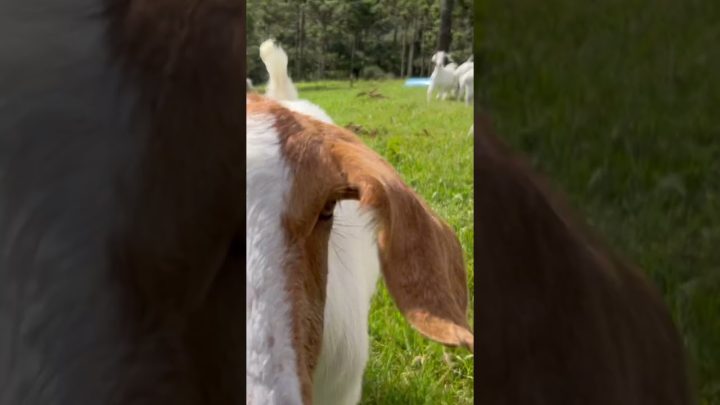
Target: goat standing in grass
<point>443,78</point>
<point>465,76</point>
<point>465,67</point>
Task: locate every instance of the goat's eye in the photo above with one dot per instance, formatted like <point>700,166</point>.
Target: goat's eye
<point>327,212</point>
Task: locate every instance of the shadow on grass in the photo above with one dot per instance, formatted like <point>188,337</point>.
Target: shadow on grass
<point>323,87</point>
<point>376,392</point>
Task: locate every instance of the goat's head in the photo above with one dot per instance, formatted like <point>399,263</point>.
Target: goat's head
<point>439,58</point>
<point>298,168</point>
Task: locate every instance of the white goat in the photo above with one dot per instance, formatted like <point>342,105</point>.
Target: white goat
<point>466,85</point>
<point>299,165</point>
<point>466,66</point>
<point>452,66</point>
<point>461,74</point>
<point>442,79</point>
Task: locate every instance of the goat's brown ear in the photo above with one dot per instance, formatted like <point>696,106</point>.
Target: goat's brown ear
<point>421,258</point>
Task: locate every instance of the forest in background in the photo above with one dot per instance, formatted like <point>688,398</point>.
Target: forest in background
<point>367,39</point>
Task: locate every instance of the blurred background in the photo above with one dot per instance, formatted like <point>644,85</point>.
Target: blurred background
<point>370,39</point>
<point>618,101</point>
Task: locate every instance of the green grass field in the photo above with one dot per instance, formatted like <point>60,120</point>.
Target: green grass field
<point>619,102</point>
<point>430,147</point>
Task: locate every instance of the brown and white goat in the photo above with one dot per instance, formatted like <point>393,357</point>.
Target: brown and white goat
<point>563,320</point>
<point>325,214</point>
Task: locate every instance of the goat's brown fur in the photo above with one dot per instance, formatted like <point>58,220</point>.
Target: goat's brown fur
<point>122,191</point>
<point>179,251</point>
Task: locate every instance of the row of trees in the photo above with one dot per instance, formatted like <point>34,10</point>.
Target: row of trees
<point>361,38</point>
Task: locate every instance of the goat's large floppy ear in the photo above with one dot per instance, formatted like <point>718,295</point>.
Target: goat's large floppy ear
<point>421,258</point>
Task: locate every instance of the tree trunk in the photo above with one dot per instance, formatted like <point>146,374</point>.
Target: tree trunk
<point>352,60</point>
<point>445,36</point>
<point>403,52</point>
<point>420,48</point>
<point>411,57</point>
<point>296,76</point>
<point>302,41</point>
<point>323,49</point>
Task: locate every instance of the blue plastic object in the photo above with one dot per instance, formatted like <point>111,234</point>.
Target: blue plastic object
<point>417,82</point>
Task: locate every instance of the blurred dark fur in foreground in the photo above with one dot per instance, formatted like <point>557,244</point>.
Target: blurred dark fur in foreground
<point>121,201</point>
<point>560,318</point>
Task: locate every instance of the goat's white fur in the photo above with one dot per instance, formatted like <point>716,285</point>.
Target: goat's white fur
<point>465,75</point>
<point>280,86</point>
<point>465,67</point>
<point>307,108</point>
<point>442,79</point>
<point>466,85</point>
<point>353,271</point>
<point>271,376</point>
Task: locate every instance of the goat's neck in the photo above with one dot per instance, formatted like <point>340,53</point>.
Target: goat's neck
<point>272,376</point>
